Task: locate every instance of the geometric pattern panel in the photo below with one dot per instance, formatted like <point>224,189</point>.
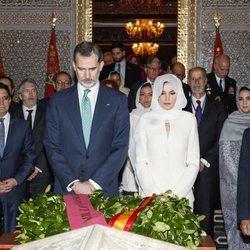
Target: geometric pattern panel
<point>235,36</point>
<point>36,3</point>
<point>236,45</point>
<point>25,53</point>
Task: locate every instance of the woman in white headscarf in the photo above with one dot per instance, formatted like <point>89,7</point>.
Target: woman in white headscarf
<point>229,152</point>
<point>143,102</point>
<point>167,146</point>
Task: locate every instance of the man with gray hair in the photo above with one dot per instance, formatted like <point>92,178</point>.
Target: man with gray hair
<point>35,115</point>
<point>152,69</point>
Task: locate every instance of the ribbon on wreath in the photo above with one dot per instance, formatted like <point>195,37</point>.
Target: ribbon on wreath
<point>124,221</point>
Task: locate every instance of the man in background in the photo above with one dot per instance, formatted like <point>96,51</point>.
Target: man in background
<point>210,117</point>
<point>17,156</point>
<point>10,84</point>
<point>223,88</point>
<point>35,115</point>
<point>130,73</point>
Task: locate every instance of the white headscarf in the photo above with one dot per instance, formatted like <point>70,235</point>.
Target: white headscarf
<point>139,110</point>
<point>181,100</point>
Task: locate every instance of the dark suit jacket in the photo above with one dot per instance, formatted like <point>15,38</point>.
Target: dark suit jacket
<point>18,159</point>
<point>14,106</point>
<point>209,130</point>
<point>132,73</point>
<point>228,97</point>
<point>243,201</point>
<point>108,146</point>
<point>38,130</point>
<point>206,189</point>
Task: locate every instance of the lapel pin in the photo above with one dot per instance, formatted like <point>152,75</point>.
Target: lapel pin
<point>108,104</point>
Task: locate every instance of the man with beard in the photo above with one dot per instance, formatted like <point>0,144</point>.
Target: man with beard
<point>210,117</point>
<point>130,73</point>
<point>87,129</point>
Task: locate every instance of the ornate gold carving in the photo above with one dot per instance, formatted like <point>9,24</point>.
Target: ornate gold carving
<point>186,41</point>
<point>186,37</point>
<point>83,20</point>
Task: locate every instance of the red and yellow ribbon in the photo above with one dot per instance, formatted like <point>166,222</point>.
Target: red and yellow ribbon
<point>124,221</point>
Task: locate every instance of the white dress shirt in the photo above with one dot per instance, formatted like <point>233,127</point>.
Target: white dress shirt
<point>92,95</point>
<point>218,82</point>
<point>6,123</point>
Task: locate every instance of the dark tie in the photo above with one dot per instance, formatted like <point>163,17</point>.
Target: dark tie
<point>29,117</point>
<point>198,112</point>
<point>86,116</point>
<point>2,135</point>
<point>220,85</point>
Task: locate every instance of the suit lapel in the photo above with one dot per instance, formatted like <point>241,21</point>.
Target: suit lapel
<point>10,136</point>
<point>102,107</point>
<point>72,109</point>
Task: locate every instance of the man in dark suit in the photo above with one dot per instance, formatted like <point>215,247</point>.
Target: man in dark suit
<point>6,80</point>
<point>223,88</point>
<point>130,73</point>
<point>30,111</point>
<point>210,117</point>
<point>87,129</point>
<point>243,192</point>
<point>62,80</point>
<point>17,156</point>
<point>152,69</point>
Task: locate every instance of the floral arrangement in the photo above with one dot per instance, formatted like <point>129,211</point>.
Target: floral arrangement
<point>167,218</point>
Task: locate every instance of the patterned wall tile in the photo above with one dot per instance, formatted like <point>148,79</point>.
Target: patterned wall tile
<point>235,35</point>
<point>25,54</point>
<point>36,3</point>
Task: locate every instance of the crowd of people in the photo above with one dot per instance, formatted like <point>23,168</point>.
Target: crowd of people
<point>126,128</point>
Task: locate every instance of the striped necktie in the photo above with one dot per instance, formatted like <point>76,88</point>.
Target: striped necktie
<point>86,116</point>
<point>2,136</point>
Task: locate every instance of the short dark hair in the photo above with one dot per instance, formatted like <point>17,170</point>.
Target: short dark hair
<point>63,73</point>
<point>3,86</point>
<point>87,48</point>
<point>117,45</point>
<point>111,82</point>
<point>244,88</point>
<point>10,79</point>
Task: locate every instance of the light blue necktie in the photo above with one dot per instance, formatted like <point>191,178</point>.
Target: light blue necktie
<point>2,135</point>
<point>118,67</point>
<point>86,116</point>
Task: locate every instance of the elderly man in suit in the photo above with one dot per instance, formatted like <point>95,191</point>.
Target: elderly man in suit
<point>87,129</point>
<point>17,156</point>
<point>130,73</point>
<point>223,88</point>
<point>243,192</point>
<point>30,111</point>
<point>210,117</point>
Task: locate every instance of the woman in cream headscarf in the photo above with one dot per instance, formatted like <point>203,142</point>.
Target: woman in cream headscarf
<point>143,102</point>
<point>229,152</point>
<point>167,146</point>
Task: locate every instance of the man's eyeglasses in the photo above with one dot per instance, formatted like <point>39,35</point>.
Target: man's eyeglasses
<point>153,69</point>
<point>62,82</point>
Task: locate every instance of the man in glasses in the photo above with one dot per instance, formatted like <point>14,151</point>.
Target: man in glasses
<point>62,80</point>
